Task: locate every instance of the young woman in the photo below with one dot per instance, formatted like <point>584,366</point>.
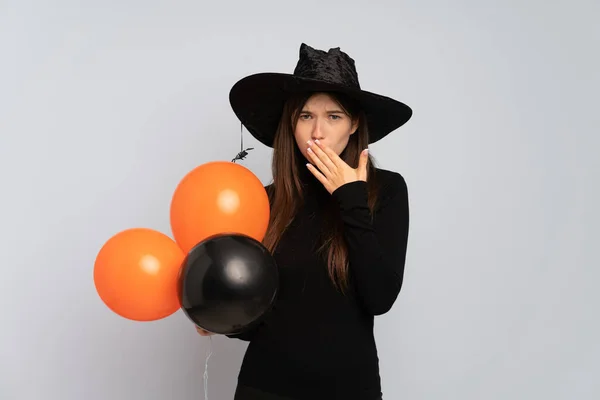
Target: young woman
<point>338,230</point>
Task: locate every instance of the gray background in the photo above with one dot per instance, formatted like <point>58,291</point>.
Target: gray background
<point>105,105</point>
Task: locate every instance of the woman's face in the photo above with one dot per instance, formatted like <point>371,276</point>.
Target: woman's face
<point>322,118</point>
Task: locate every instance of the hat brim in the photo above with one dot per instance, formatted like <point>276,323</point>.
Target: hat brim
<point>258,101</point>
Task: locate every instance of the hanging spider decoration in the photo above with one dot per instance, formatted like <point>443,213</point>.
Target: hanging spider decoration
<point>242,154</point>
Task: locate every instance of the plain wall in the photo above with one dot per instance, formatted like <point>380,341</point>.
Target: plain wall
<point>105,105</point>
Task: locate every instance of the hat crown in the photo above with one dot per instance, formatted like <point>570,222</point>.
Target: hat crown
<point>333,66</point>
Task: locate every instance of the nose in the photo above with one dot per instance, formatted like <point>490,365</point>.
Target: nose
<point>316,132</point>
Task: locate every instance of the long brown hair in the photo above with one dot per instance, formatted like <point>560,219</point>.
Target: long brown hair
<point>286,192</point>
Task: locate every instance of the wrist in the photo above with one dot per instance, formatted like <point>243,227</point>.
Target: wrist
<point>351,194</point>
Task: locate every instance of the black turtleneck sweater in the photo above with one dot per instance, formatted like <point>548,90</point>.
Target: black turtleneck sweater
<point>317,343</point>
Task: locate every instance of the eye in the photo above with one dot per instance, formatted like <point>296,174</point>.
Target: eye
<point>304,116</point>
<point>335,117</point>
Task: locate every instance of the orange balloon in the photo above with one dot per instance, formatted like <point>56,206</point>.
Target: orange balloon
<point>217,198</point>
<point>136,274</point>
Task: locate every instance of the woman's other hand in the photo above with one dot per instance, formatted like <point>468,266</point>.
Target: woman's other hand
<point>202,332</point>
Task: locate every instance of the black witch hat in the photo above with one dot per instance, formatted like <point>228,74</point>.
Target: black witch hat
<point>258,99</point>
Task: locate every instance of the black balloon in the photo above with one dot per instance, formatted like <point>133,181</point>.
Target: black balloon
<point>227,283</point>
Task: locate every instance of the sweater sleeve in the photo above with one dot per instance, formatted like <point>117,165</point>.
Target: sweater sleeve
<point>376,246</point>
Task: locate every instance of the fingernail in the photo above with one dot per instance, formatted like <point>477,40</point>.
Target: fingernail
<point>309,143</point>
<point>317,141</point>
<point>365,151</point>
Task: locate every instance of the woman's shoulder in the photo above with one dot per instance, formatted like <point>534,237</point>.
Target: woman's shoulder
<point>390,180</point>
<point>391,188</point>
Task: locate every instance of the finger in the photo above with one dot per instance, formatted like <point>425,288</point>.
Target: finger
<point>362,163</point>
<point>323,157</point>
<point>202,332</point>
<point>318,162</point>
<point>333,157</point>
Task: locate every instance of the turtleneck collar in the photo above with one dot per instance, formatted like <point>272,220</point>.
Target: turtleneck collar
<point>314,191</point>
<point>306,177</point>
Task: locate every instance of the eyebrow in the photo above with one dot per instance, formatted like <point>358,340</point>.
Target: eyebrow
<point>328,112</point>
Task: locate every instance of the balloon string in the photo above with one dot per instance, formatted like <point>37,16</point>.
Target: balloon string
<point>206,368</point>
<point>243,152</point>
